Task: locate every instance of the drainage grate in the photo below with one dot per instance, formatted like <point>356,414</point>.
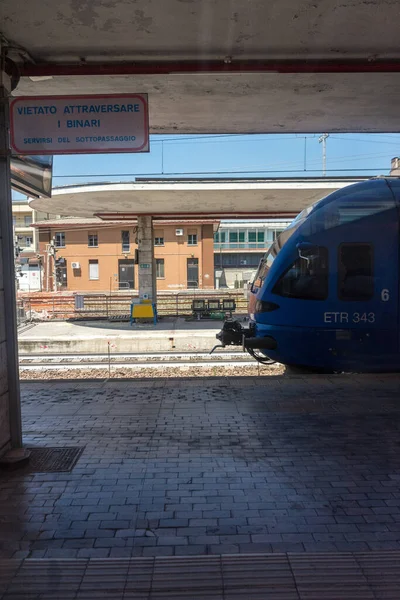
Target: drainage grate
<point>50,460</point>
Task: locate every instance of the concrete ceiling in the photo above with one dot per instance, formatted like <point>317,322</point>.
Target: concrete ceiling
<point>251,198</point>
<point>104,30</point>
<point>90,33</point>
<point>244,103</point>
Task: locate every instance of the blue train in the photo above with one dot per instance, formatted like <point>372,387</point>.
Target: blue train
<point>326,294</point>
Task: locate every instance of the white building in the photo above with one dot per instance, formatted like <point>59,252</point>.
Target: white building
<point>239,246</point>
<point>28,264</point>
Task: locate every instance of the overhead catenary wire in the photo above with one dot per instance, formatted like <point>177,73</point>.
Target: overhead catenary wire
<point>228,138</point>
<point>315,161</point>
<point>366,141</point>
<point>256,172</point>
<point>248,169</point>
<point>252,170</point>
<point>266,137</point>
<point>242,170</point>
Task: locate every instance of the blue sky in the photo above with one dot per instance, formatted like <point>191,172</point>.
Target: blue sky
<point>235,155</point>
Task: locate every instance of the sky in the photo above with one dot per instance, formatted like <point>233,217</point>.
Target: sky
<point>273,155</point>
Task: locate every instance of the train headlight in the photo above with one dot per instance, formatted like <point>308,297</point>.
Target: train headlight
<point>262,307</point>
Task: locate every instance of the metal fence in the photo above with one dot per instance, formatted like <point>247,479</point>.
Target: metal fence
<point>43,307</point>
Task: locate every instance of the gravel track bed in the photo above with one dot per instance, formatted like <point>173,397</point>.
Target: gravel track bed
<point>187,371</point>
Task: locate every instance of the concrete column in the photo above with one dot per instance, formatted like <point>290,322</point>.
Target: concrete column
<point>10,415</point>
<point>207,263</point>
<point>147,271</point>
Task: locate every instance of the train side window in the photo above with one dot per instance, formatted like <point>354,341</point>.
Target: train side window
<point>307,277</point>
<point>355,272</point>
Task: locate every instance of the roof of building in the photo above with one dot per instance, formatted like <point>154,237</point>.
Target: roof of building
<point>68,222</point>
<point>191,199</point>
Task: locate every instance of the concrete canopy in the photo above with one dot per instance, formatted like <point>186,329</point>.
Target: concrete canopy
<point>164,199</point>
<point>131,40</point>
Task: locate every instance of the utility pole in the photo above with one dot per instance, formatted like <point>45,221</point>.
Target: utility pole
<point>53,253</point>
<point>47,267</point>
<point>322,140</point>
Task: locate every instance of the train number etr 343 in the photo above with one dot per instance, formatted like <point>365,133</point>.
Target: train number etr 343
<point>345,317</point>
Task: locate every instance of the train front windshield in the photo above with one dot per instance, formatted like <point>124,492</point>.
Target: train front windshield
<point>272,253</point>
<point>265,264</point>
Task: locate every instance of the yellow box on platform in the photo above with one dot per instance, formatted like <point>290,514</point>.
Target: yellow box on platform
<point>142,311</point>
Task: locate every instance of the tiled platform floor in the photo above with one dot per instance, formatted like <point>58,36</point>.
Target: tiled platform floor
<point>206,467</point>
<point>340,576</point>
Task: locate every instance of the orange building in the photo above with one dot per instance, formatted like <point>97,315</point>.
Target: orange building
<point>92,255</point>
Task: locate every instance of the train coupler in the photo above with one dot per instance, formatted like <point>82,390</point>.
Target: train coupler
<point>231,334</point>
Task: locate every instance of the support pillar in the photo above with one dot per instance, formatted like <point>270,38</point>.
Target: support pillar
<point>10,409</point>
<point>147,271</point>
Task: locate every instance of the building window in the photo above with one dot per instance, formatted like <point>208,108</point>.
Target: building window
<point>93,270</point>
<point>237,260</point>
<point>230,260</point>
<point>159,240</point>
<point>93,240</point>
<point>192,239</point>
<point>233,237</point>
<point>28,220</point>
<point>14,221</point>
<point>250,260</point>
<point>59,239</point>
<point>160,268</point>
<point>219,239</point>
<point>28,241</point>
<point>260,236</point>
<point>252,237</point>
<point>126,245</point>
<point>355,272</point>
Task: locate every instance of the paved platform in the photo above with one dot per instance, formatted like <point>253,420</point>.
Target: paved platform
<point>201,467</point>
<point>366,576</point>
<point>93,336</point>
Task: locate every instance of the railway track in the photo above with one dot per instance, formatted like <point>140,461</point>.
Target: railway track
<point>134,361</point>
